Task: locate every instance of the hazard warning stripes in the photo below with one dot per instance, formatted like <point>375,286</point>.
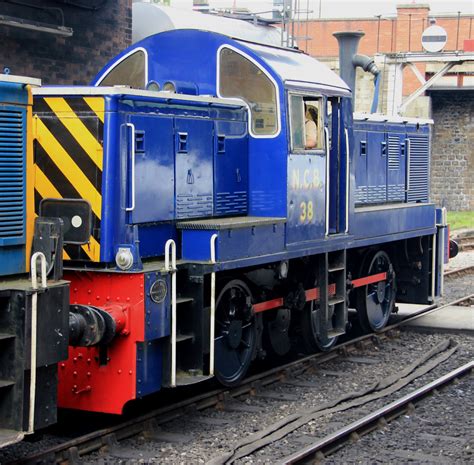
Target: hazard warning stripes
<point>69,159</point>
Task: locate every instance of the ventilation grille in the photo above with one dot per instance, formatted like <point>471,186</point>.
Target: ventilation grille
<point>377,194</point>
<point>361,195</point>
<point>231,203</point>
<point>396,192</point>
<point>393,152</point>
<point>419,169</point>
<point>12,174</point>
<point>193,206</point>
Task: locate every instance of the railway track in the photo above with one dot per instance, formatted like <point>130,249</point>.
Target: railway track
<point>374,420</point>
<point>149,424</point>
<point>459,271</point>
<point>465,242</point>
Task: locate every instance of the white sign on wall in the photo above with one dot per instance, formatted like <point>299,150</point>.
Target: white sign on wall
<point>434,39</point>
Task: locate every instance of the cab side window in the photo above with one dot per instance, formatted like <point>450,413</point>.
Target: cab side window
<point>128,72</point>
<point>239,77</point>
<point>306,122</point>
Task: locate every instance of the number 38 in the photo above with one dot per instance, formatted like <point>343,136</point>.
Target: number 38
<point>306,211</point>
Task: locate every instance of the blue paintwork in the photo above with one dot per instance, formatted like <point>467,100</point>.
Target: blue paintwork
<point>157,315</point>
<point>13,93</point>
<point>154,161</point>
<point>381,174</point>
<point>396,163</point>
<point>377,167</point>
<point>194,168</point>
<point>306,195</point>
<point>149,367</point>
<point>13,194</point>
<point>231,178</point>
<point>254,175</point>
<point>233,244</point>
<point>373,222</point>
<point>160,161</point>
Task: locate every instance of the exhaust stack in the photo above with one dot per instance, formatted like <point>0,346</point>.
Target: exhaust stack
<point>349,59</point>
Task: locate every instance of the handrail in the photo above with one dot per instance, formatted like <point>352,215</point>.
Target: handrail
<point>408,151</point>
<point>34,332</point>
<point>326,133</point>
<point>132,168</point>
<point>213,307</point>
<point>170,243</point>
<point>346,133</point>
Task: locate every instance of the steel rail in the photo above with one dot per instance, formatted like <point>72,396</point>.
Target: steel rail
<point>372,421</point>
<point>72,450</point>
<point>458,271</point>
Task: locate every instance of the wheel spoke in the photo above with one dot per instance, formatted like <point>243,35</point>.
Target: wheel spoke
<point>234,347</point>
<point>375,313</point>
<point>375,301</point>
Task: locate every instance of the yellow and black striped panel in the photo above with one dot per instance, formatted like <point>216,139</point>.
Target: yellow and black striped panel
<point>68,154</point>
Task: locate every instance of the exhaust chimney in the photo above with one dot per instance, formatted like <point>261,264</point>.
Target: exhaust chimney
<point>349,60</point>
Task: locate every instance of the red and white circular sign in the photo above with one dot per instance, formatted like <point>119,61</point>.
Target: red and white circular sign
<point>434,39</point>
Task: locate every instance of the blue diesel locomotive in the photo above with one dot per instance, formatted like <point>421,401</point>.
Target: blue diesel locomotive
<point>201,230</point>
<point>199,227</point>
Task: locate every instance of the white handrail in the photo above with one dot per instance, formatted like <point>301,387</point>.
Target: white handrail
<point>212,316</point>
<point>408,163</point>
<point>326,133</point>
<point>170,243</point>
<point>346,133</point>
<point>444,232</point>
<point>132,168</point>
<point>433,269</point>
<point>34,332</point>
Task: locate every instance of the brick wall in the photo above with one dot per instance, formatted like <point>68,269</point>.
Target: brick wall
<point>387,35</point>
<point>452,163</point>
<point>98,36</point>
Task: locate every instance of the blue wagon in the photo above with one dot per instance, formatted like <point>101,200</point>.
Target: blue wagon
<point>33,316</point>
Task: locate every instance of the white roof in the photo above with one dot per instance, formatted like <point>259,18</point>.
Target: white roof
<point>149,19</point>
<point>19,79</point>
<point>124,90</point>
<point>298,69</point>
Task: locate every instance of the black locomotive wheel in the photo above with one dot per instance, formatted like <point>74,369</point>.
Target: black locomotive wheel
<point>375,301</point>
<point>236,338</point>
<point>314,338</point>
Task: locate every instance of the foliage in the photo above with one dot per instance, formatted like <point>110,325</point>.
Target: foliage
<point>461,220</point>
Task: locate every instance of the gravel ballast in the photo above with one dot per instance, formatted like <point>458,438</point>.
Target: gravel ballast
<point>201,436</point>
<point>203,441</point>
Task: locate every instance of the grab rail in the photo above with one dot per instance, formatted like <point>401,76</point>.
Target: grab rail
<point>34,332</point>
<point>212,317</point>
<point>170,243</point>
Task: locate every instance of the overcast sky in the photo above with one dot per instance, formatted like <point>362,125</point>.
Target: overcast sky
<point>342,8</point>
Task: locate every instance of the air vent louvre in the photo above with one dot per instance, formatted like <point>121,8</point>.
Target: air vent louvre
<point>12,174</point>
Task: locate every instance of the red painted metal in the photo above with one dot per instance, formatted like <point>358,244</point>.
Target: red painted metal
<point>375,278</point>
<point>120,315</point>
<point>84,384</point>
<point>268,305</point>
<point>311,294</point>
